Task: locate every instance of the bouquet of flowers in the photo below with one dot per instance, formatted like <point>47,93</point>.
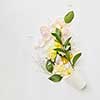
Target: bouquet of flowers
<point>58,55</point>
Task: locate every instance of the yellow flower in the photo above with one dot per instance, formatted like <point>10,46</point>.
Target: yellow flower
<point>68,71</point>
<point>57,45</point>
<point>71,55</point>
<point>59,69</point>
<point>64,60</point>
<point>52,54</point>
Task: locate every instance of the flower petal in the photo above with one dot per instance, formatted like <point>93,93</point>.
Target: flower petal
<point>45,30</point>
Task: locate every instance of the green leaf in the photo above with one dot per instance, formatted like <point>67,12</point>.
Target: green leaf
<point>58,32</point>
<point>57,35</point>
<point>67,42</point>
<point>67,55</point>
<point>55,78</point>
<point>59,50</point>
<point>58,38</point>
<point>49,66</point>
<point>69,47</point>
<point>76,57</point>
<point>69,17</point>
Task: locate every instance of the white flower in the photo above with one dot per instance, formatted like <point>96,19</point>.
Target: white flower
<point>45,33</point>
<point>45,30</point>
<point>65,30</point>
<point>59,23</point>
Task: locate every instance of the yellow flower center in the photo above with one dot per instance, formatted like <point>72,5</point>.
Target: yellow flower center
<point>64,60</point>
<point>68,71</point>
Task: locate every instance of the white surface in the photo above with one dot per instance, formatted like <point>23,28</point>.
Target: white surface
<point>20,78</point>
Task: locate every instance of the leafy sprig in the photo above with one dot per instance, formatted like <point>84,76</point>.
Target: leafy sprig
<point>57,35</point>
<point>65,49</point>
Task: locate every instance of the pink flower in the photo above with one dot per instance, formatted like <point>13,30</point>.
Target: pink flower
<point>45,31</point>
<point>65,30</point>
<point>59,23</point>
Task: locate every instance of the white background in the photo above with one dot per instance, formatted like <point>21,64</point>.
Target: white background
<point>20,77</point>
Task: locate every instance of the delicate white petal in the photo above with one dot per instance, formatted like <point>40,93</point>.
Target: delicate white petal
<point>59,23</point>
<point>65,30</point>
<point>45,30</point>
<point>58,59</point>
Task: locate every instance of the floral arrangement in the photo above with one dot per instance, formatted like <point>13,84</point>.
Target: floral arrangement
<point>60,60</point>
